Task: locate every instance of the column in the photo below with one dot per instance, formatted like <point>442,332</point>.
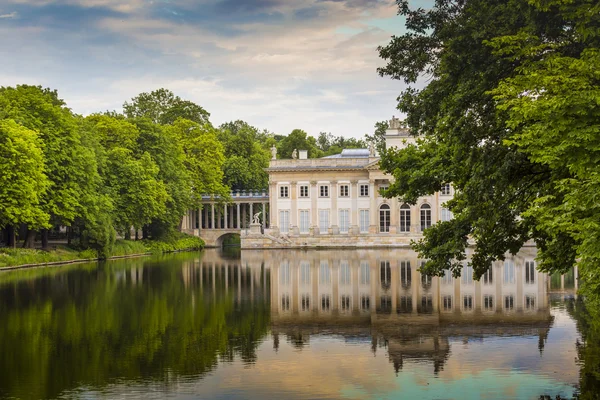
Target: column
<point>314,212</point>
<point>264,215</point>
<point>273,204</point>
<point>251,214</point>
<point>212,215</point>
<point>373,214</point>
<point>244,219</point>
<point>395,213</point>
<point>354,228</point>
<point>335,229</point>
<point>225,216</point>
<point>200,219</point>
<point>238,217</point>
<point>294,230</point>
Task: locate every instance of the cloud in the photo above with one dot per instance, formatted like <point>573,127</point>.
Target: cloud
<point>9,15</point>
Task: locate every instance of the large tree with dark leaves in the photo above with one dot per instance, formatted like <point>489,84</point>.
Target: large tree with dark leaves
<point>479,59</point>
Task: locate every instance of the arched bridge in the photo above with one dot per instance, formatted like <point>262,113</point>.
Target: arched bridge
<point>215,220</point>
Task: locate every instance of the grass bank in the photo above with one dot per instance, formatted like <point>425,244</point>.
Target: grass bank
<point>15,257</point>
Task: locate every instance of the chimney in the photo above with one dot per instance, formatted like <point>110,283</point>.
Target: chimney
<point>303,154</point>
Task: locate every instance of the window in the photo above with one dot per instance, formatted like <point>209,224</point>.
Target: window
<point>365,273</point>
<point>364,190</point>
<point>425,217</point>
<point>509,302</point>
<point>344,192</point>
<point>445,190</point>
<point>345,278</point>
<point>323,191</point>
<point>284,221</point>
<point>383,189</point>
<point>305,305</point>
<point>509,271</point>
<point>385,274</point>
<point>284,273</point>
<point>364,221</point>
<point>488,277</point>
<point>488,302</point>
<point>405,304</point>
<point>284,192</point>
<point>530,302</point>
<point>325,302</point>
<point>467,275</point>
<point>529,272</point>
<point>425,281</point>
<point>405,218</point>
<point>447,303</point>
<point>344,221</point>
<point>304,191</point>
<point>323,220</point>
<point>386,303</point>
<point>426,304</point>
<point>285,302</point>
<point>345,303</point>
<point>304,221</point>
<point>467,302</point>
<point>446,215</point>
<point>305,273</point>
<point>447,278</point>
<point>324,273</point>
<point>384,218</point>
<point>405,274</point>
<point>365,303</point>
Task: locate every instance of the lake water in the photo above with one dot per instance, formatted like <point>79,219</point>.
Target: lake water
<point>293,325</point>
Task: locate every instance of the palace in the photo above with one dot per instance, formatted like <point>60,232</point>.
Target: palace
<point>337,201</point>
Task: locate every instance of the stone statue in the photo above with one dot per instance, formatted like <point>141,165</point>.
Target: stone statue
<point>371,150</point>
<point>256,218</point>
<point>294,154</point>
<point>395,123</point>
<point>273,152</point>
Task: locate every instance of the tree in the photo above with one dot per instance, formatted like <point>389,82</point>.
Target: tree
<point>465,134</point>
<point>163,107</point>
<point>22,179</point>
<point>330,144</point>
<point>378,137</point>
<point>299,140</point>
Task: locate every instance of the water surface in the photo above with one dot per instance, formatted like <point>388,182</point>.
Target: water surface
<point>292,324</point>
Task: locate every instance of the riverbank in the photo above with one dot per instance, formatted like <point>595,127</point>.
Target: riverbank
<point>18,257</point>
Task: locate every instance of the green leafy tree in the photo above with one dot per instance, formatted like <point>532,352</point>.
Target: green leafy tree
<point>22,179</point>
<point>378,137</point>
<point>299,140</point>
<point>466,139</point>
<point>330,144</point>
<point>163,107</point>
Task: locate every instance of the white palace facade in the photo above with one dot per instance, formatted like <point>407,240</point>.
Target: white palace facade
<point>337,201</point>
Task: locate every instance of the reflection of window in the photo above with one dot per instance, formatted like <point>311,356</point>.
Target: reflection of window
<point>323,191</point>
<point>488,276</point>
<point>509,302</point>
<point>284,273</point>
<point>385,274</point>
<point>405,218</point>
<point>488,302</point>
<point>365,303</point>
<point>324,273</point>
<point>405,304</point>
<point>426,304</point>
<point>447,278</point>
<point>530,302</point>
<point>445,190</point>
<point>345,303</point>
<point>304,191</point>
<point>284,192</point>
<point>344,192</point>
<point>344,273</point>
<point>365,273</point>
<point>344,221</point>
<point>425,281</point>
<point>468,302</point>
<point>285,302</point>
<point>305,272</point>
<point>529,272</point>
<point>447,303</point>
<point>305,302</point>
<point>386,303</point>
<point>509,271</point>
<point>425,217</point>
<point>405,274</point>
<point>364,221</point>
<point>325,302</point>
<point>467,275</point>
<point>364,190</point>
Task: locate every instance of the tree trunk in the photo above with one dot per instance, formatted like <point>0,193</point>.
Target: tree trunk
<point>69,235</point>
<point>136,235</point>
<point>29,242</point>
<point>45,239</point>
<point>128,234</point>
<point>11,240</point>
<point>145,231</point>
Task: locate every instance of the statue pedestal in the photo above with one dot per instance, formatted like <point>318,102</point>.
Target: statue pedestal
<point>255,229</point>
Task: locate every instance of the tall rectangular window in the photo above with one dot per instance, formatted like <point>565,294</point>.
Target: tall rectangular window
<point>284,221</point>
<point>529,272</point>
<point>445,190</point>
<point>344,221</point>
<point>323,220</point>
<point>509,271</point>
<point>344,191</point>
<point>446,215</point>
<point>364,221</point>
<point>284,192</point>
<point>447,278</point>
<point>303,190</point>
<point>304,221</point>
<point>364,190</point>
<point>323,191</point>
<point>467,275</point>
<point>405,218</point>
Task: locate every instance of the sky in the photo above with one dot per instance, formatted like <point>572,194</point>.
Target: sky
<point>277,64</point>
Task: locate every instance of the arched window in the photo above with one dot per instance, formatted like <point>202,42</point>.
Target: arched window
<point>384,218</point>
<point>425,217</point>
<point>405,218</point>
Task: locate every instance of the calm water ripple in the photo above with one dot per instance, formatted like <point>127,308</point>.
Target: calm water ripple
<point>296,325</point>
